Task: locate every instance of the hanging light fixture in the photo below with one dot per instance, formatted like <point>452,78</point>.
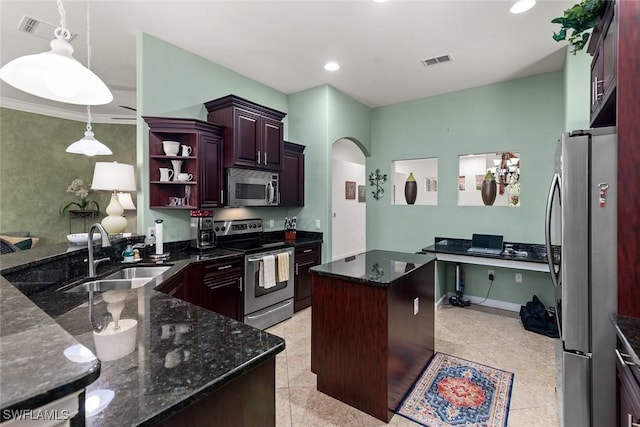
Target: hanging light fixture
<point>56,74</point>
<point>89,145</point>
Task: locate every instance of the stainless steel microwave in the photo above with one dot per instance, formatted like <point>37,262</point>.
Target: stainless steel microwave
<point>250,187</point>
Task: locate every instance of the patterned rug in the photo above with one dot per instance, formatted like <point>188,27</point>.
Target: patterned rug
<point>456,392</point>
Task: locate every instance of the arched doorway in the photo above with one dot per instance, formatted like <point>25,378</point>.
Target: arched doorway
<point>349,215</point>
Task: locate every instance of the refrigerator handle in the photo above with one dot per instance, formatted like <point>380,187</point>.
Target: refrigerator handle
<point>555,187</point>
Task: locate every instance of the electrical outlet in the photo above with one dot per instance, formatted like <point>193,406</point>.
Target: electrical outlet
<point>491,274</point>
<point>272,223</point>
<point>151,235</point>
<point>416,303</point>
<point>518,277</point>
<point>318,224</point>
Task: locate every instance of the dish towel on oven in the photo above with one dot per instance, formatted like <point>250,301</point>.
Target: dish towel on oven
<point>267,277</point>
<point>283,266</point>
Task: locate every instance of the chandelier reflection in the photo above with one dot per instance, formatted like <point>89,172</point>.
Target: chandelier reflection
<point>506,170</point>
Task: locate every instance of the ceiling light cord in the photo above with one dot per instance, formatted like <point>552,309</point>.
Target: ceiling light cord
<point>61,32</point>
<point>88,57</point>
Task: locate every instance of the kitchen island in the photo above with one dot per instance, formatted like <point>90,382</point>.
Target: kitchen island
<point>187,364</point>
<point>372,328</point>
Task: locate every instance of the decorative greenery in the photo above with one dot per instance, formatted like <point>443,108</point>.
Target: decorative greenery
<point>376,179</point>
<point>82,192</point>
<point>578,18</point>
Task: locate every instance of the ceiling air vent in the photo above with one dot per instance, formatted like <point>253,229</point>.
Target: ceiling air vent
<point>436,60</point>
<point>38,28</point>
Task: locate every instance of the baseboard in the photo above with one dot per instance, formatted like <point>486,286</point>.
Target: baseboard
<point>510,306</point>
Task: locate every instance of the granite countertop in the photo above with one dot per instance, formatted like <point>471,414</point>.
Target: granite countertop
<point>514,251</point>
<point>375,267</point>
<point>181,351</point>
<point>33,367</point>
<point>628,330</point>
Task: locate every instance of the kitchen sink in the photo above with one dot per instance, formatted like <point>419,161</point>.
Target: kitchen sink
<point>138,273</point>
<point>127,278</point>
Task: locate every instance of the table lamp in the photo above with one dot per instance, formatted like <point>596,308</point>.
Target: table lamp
<point>114,177</point>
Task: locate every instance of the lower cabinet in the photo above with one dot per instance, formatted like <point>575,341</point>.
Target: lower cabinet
<point>305,258</point>
<point>215,285</point>
<point>628,391</point>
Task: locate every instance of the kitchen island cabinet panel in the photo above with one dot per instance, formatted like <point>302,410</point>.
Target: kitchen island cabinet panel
<point>239,403</point>
<point>369,343</point>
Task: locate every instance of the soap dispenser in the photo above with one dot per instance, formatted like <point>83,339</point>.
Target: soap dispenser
<point>127,254</point>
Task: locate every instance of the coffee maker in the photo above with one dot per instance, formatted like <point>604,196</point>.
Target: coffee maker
<point>202,234</point>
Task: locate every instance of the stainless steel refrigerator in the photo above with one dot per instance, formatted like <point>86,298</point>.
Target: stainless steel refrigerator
<point>581,218</point>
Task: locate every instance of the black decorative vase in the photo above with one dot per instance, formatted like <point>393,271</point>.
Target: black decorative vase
<point>488,192</point>
<point>410,189</point>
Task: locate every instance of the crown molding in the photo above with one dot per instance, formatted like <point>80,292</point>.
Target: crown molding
<point>28,107</point>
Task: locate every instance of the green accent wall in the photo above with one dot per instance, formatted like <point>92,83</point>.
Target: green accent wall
<point>175,83</point>
<point>524,115</point>
<point>35,170</point>
<point>577,81</point>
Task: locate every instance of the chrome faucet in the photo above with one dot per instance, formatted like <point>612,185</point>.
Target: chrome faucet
<point>105,243</point>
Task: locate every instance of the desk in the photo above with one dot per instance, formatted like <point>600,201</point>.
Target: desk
<point>455,250</point>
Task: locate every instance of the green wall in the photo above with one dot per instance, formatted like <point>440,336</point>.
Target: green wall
<point>35,170</point>
<point>577,80</point>
<point>524,115</point>
<point>175,83</point>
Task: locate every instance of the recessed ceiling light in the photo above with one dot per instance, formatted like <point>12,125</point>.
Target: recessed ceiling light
<point>522,6</point>
<point>379,1</point>
<point>331,66</point>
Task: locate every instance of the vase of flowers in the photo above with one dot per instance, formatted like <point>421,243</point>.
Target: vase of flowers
<point>82,206</point>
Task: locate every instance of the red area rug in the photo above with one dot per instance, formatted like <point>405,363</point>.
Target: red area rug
<point>456,392</point>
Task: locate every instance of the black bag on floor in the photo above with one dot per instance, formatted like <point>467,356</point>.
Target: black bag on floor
<point>536,318</point>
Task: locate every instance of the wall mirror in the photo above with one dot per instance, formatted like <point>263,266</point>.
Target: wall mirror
<point>475,175</point>
<point>415,182</point>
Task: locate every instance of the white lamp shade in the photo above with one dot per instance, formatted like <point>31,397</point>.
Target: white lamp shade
<point>126,201</point>
<point>89,146</point>
<point>113,176</point>
<point>56,75</point>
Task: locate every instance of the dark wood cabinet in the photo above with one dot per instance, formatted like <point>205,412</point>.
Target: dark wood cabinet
<point>292,175</point>
<point>175,287</point>
<point>205,189</point>
<point>217,286</point>
<point>628,389</point>
<point>305,258</point>
<point>253,134</point>
<point>603,48</point>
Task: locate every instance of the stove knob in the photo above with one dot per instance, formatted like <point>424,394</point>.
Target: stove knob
<point>223,228</point>
<point>217,228</point>
<point>259,225</point>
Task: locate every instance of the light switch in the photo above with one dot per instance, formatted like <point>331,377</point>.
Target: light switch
<point>416,303</point>
<point>317,223</point>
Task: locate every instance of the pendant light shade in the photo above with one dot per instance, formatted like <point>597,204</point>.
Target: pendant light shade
<point>89,146</point>
<point>56,74</point>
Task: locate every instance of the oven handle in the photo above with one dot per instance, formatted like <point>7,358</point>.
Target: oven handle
<point>270,311</point>
<point>259,259</point>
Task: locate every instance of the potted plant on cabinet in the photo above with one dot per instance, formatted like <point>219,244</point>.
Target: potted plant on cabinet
<point>579,18</point>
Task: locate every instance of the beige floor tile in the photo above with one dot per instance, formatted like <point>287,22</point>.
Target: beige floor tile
<point>483,335</point>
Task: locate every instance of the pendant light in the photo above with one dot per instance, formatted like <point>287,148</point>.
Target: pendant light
<point>89,145</point>
<point>56,74</point>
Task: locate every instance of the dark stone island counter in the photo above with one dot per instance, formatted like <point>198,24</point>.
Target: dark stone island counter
<point>373,317</point>
<point>185,363</point>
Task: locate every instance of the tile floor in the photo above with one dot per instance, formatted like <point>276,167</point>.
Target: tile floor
<point>488,336</point>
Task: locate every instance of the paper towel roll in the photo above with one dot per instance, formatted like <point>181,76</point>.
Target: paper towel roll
<point>159,241</point>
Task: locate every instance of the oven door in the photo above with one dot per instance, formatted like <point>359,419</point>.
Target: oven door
<point>257,297</point>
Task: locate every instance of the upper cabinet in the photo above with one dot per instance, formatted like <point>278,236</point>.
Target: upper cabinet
<point>603,48</point>
<point>185,170</point>
<point>253,135</point>
<point>292,175</point>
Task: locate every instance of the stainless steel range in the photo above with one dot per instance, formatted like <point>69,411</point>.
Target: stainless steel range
<point>268,271</point>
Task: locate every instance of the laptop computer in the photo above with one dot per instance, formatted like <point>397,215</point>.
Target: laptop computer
<point>486,244</point>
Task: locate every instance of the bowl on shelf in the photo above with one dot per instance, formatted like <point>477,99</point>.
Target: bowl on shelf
<point>81,238</point>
